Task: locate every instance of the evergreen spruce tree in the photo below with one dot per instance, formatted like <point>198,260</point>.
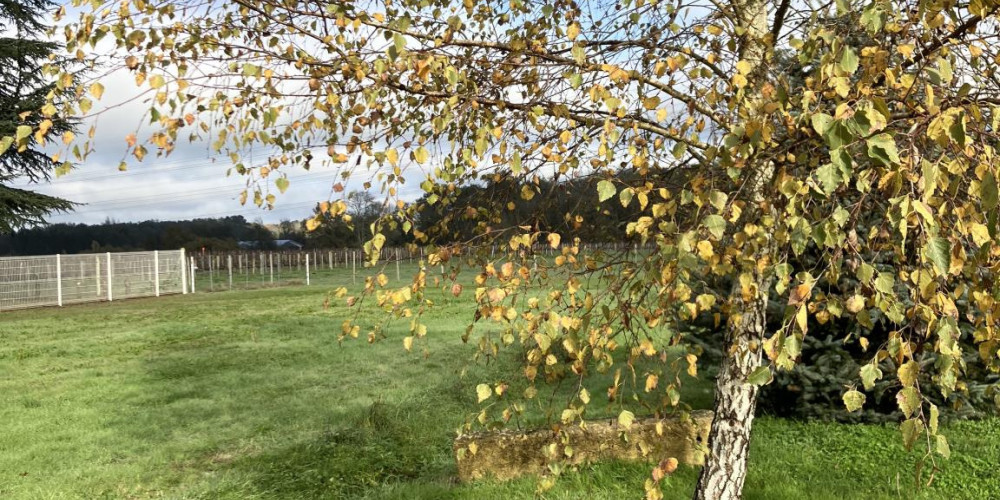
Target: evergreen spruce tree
<point>23,89</point>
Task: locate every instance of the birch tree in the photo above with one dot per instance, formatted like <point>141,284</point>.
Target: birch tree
<point>858,134</point>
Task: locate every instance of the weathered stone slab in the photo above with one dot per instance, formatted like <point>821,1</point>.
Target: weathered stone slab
<point>508,454</point>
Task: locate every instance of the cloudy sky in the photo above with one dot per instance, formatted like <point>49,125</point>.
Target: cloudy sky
<point>190,183</point>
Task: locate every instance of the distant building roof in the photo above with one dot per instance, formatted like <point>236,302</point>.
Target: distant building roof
<point>287,244</point>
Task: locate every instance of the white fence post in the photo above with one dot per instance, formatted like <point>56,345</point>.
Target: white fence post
<point>59,280</point>
<point>109,285</point>
<point>27,281</point>
<point>229,265</point>
<point>184,285</point>
<point>97,274</point>
<point>307,269</point>
<point>156,273</point>
<point>193,275</point>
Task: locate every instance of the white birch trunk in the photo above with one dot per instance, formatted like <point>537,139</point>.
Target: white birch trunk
<point>725,469</point>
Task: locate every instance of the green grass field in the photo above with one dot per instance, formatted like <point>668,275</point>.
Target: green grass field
<point>247,394</point>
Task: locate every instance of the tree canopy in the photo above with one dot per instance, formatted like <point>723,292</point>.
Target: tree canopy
<point>831,160</point>
<point>24,91</point>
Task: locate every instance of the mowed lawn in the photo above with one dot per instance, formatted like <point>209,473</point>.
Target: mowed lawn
<point>249,395</point>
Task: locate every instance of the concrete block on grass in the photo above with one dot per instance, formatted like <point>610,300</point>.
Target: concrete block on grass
<point>509,454</point>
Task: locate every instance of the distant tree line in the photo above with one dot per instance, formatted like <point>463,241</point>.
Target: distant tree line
<point>569,207</point>
<point>502,197</point>
<point>110,236</point>
<point>215,234</point>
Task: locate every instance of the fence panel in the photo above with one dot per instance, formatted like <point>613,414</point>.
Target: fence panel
<point>55,280</point>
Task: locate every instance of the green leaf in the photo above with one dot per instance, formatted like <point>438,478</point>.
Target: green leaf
<point>829,177</point>
<point>625,419</point>
<point>575,80</point>
<point>884,283</point>
<point>398,42</point>
<point>715,225</point>
<point>932,421</point>
<point>938,250</point>
<point>853,400</point>
<point>945,70</point>
<point>483,392</point>
<point>605,190</point>
<point>838,135</point>
<point>988,191</point>
<point>908,400</point>
<point>760,376</point>
<point>873,18</point>
<point>679,149</point>
<point>421,155</point>
<point>5,144</point>
<point>861,124</point>
<point>821,122</point>
<point>930,172</point>
<point>957,129</point>
<point>911,431</point>
<point>23,131</point>
<point>282,184</point>
<point>941,446</point>
<point>869,374</point>
<point>625,197</point>
<point>907,373</point>
<point>882,148</point>
<point>849,60</point>
<point>865,273</point>
<point>718,199</point>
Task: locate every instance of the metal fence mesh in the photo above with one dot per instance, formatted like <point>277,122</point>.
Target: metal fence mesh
<point>53,280</point>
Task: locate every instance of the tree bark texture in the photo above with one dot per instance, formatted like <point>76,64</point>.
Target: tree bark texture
<point>725,468</point>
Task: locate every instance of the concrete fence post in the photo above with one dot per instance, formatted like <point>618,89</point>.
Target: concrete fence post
<point>156,273</point>
<point>97,274</point>
<point>110,283</point>
<point>184,286</point>
<point>59,280</point>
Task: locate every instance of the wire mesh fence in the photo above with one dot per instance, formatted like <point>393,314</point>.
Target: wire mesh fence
<point>56,280</point>
<point>251,269</point>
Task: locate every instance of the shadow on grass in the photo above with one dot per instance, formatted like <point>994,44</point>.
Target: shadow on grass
<point>383,444</point>
<point>278,410</point>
